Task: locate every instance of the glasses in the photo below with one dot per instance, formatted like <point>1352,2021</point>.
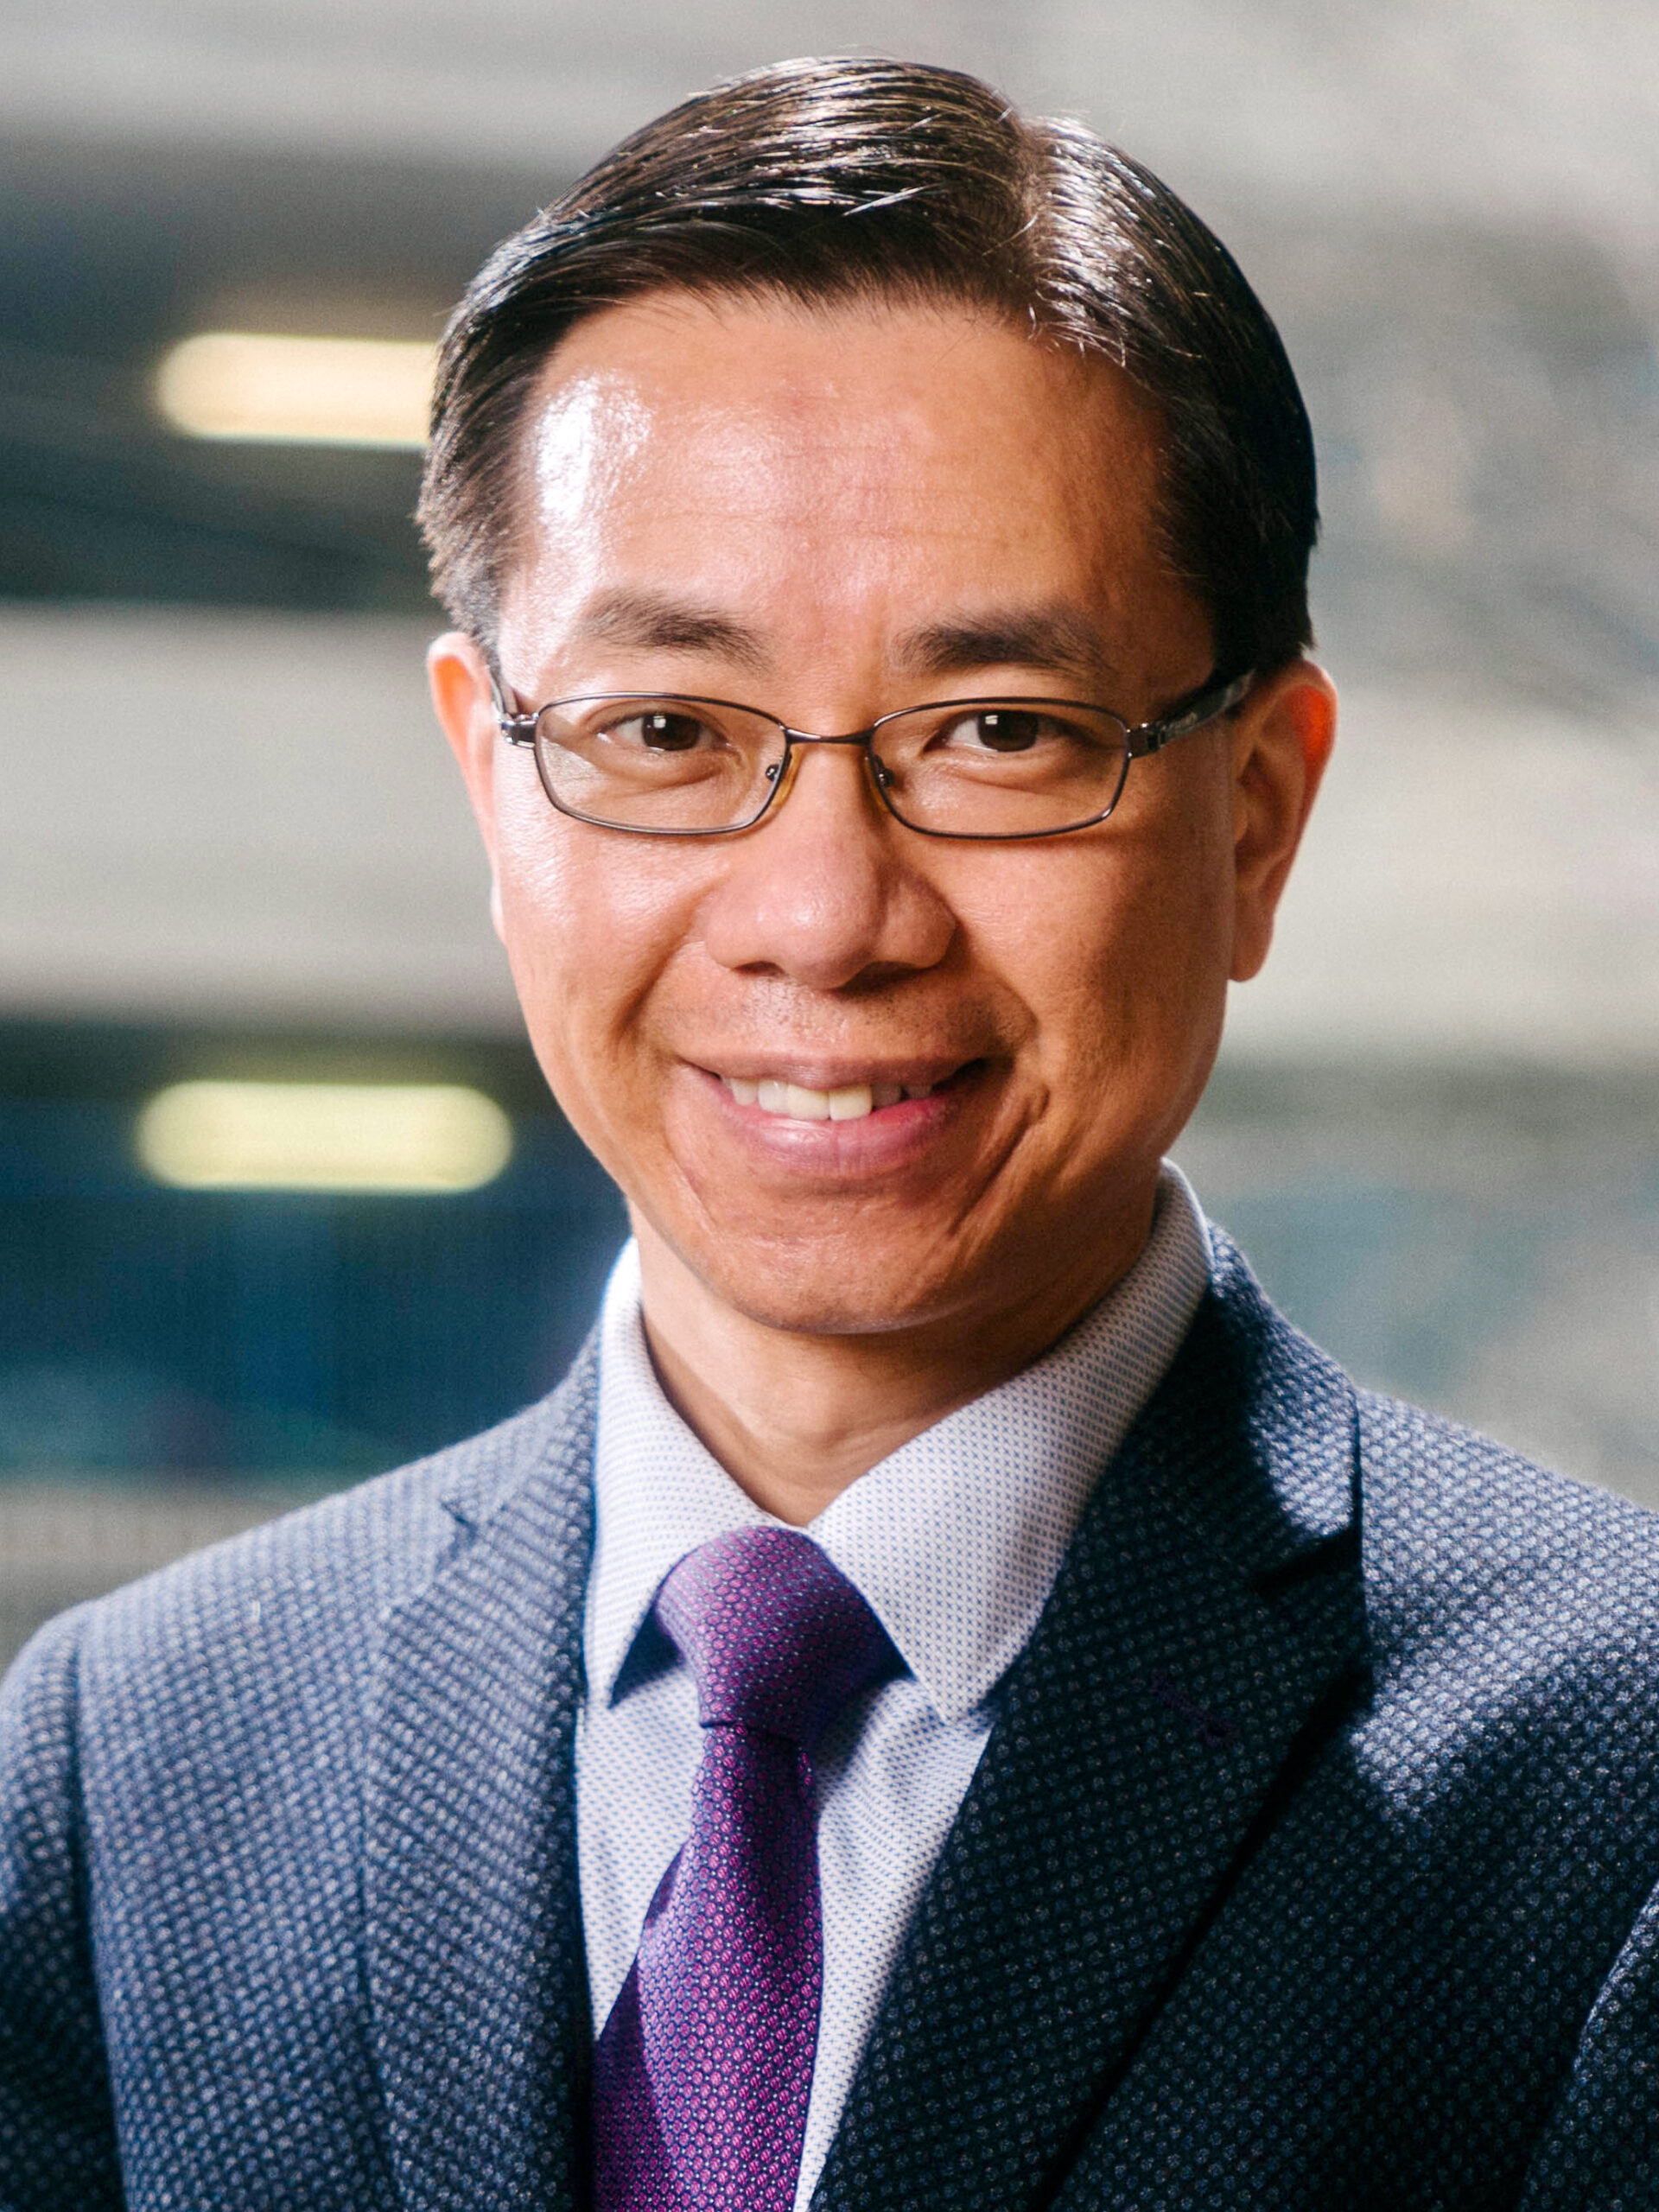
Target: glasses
<point>663,766</point>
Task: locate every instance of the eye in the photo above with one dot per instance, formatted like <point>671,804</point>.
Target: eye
<point>662,729</point>
<point>1002,729</point>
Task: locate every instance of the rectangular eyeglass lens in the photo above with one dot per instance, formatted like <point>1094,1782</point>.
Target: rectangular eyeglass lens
<point>1002,767</point>
<point>658,763</point>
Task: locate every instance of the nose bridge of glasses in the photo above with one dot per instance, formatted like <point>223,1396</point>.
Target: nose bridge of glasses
<point>819,737</point>
<point>796,742</point>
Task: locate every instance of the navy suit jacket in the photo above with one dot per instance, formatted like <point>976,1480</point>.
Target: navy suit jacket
<point>1308,1864</point>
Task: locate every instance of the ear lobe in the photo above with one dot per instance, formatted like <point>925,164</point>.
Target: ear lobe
<point>1283,741</point>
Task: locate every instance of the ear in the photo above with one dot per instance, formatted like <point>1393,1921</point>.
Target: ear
<point>460,680</point>
<point>1282,740</point>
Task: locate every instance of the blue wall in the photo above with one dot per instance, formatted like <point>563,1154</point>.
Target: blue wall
<point>175,1332</point>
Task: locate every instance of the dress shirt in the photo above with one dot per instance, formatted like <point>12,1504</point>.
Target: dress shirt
<point>954,1540</point>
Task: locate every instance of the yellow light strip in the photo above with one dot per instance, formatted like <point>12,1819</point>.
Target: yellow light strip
<point>335,391</point>
<point>323,1136</point>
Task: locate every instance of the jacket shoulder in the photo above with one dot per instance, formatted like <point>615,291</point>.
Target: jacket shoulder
<point>1486,1576</point>
<point>307,1591</point>
<point>1505,1604</point>
<point>1448,1509</point>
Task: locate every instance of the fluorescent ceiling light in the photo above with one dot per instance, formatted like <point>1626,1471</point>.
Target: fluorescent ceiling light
<point>332,391</point>
<point>323,1136</point>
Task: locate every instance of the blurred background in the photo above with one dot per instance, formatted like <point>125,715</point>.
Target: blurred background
<point>233,854</point>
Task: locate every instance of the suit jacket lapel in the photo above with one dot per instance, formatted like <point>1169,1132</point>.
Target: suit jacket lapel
<point>477,1977</point>
<point>1202,1641</point>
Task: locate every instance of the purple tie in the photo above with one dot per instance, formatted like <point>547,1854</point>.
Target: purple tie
<point>701,2075</point>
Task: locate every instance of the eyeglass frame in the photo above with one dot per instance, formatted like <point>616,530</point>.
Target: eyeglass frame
<point>1214,698</point>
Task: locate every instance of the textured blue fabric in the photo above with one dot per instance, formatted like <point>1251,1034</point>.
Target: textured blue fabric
<point>1309,1864</point>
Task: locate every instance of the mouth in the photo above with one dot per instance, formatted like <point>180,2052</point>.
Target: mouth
<point>854,1101</point>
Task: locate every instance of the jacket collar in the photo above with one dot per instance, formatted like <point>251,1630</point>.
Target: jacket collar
<point>1204,1640</point>
<point>477,1980</point>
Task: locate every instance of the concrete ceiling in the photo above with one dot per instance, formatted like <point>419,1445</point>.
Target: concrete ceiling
<point>241,818</point>
<point>1515,109</point>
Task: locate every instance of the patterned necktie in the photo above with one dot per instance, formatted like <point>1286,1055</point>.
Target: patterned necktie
<point>701,2076</point>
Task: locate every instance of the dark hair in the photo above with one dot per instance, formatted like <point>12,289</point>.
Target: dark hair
<point>834,180</point>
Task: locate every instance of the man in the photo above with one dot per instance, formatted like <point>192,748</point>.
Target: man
<point>951,1702</point>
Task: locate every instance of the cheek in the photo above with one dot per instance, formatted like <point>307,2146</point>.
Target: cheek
<point>586,932</point>
<point>1119,950</point>
<point>544,908</point>
<point>1173,960</point>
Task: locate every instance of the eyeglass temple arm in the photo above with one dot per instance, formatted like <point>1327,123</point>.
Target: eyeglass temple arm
<point>516,726</point>
<point>1216,699</point>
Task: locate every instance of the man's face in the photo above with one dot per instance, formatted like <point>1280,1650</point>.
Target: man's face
<point>829,515</point>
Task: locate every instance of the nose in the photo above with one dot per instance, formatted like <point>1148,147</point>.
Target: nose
<point>828,889</point>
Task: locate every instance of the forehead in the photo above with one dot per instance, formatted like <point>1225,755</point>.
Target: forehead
<point>862,461</point>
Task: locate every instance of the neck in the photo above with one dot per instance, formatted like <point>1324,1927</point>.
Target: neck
<point>795,1418</point>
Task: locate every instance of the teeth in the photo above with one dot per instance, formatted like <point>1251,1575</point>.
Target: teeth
<point>794,1100</point>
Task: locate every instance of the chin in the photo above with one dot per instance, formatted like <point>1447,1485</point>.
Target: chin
<point>828,1294</point>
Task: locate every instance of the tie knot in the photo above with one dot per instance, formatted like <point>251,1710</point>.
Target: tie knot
<point>775,1636</point>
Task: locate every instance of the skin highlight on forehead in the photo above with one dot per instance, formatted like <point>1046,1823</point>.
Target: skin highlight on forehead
<point>586,432</point>
<point>583,433</point>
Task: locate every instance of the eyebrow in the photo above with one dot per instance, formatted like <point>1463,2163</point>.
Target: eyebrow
<point>1059,640</point>
<point>652,622</point>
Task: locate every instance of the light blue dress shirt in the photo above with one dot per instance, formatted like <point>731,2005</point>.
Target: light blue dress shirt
<point>954,1540</point>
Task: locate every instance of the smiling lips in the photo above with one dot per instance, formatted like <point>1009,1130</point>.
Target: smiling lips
<point>795,1102</point>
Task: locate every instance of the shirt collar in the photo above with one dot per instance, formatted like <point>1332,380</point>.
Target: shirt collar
<point>954,1539</point>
